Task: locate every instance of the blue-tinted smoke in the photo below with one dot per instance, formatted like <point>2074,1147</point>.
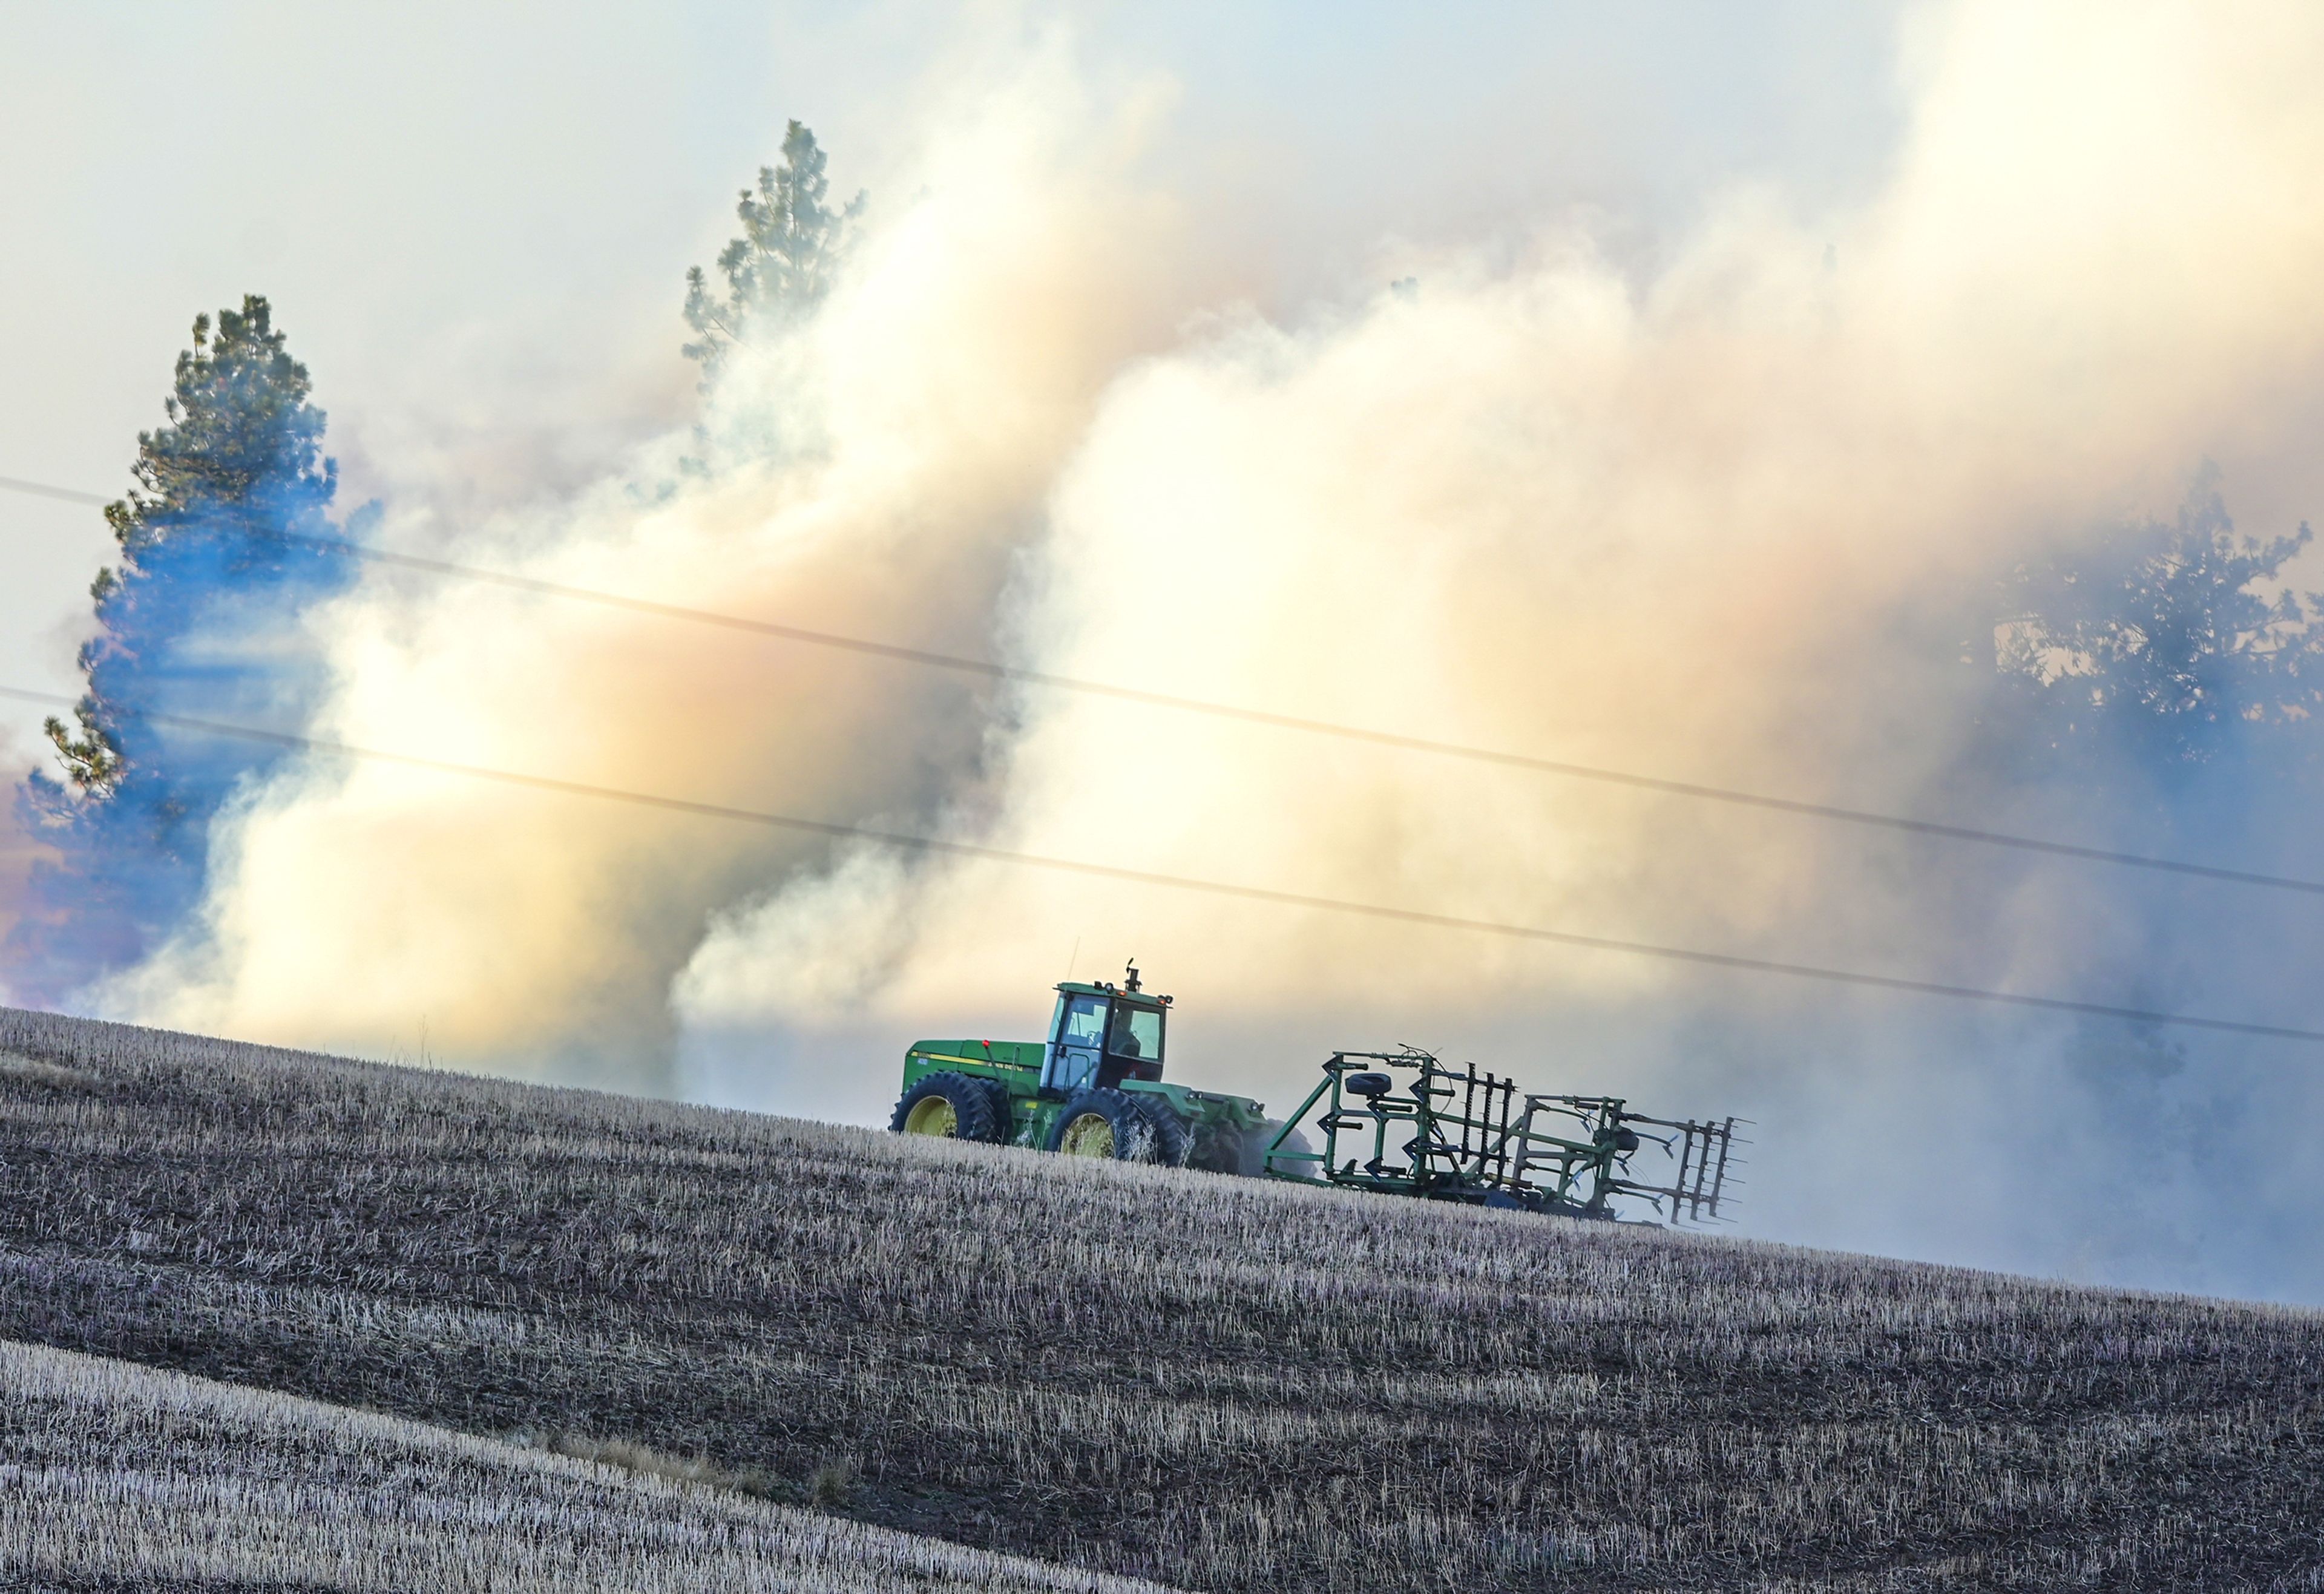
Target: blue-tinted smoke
<point>2152,688</point>
<point>205,619</point>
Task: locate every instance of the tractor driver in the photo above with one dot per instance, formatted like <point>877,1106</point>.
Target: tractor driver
<point>1123,1043</point>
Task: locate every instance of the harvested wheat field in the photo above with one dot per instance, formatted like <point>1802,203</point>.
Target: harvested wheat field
<point>115,1475</point>
<point>1216,1384</point>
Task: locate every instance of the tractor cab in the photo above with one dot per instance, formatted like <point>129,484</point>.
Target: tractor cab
<point>1102,1035</point>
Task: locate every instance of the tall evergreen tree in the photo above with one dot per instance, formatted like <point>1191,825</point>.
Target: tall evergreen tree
<point>782,265</point>
<point>243,452</point>
<point>2169,641</point>
<point>200,617</point>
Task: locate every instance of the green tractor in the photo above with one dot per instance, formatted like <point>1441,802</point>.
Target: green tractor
<point>1093,1087</point>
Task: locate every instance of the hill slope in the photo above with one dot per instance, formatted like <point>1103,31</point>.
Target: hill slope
<point>1220,1384</point>
<point>115,1475</point>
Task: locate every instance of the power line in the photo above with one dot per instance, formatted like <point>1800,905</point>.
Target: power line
<point>39,490</point>
<point>990,670</point>
<point>932,844</point>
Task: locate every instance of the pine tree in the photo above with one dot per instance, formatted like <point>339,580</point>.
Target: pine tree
<point>2174,637</point>
<point>201,616</point>
<point>782,267</point>
<point>242,456</point>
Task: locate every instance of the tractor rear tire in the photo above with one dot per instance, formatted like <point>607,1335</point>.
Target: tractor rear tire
<point>1296,1141</point>
<point>952,1106</point>
<point>1220,1150</point>
<point>1114,1125</point>
<point>1172,1139</point>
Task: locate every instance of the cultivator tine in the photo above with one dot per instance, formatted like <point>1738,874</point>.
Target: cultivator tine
<point>1705,1170</point>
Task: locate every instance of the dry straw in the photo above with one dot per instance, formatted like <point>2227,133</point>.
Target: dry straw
<point>1217,1384</point>
<point>114,1475</point>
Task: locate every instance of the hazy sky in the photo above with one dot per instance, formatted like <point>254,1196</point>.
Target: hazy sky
<point>474,221</point>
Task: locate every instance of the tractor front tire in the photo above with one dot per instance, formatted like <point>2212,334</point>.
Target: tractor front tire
<point>1116,1126</point>
<point>951,1106</point>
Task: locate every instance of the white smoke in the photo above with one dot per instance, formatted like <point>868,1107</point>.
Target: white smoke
<point>1697,524</point>
<point>875,474</point>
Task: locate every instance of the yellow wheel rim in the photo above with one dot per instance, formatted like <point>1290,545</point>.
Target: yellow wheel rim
<point>932,1116</point>
<point>1087,1136</point>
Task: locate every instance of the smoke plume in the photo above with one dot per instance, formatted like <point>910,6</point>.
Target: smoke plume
<point>1738,520</point>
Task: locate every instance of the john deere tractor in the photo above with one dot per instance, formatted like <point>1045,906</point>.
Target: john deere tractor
<point>1093,1087</point>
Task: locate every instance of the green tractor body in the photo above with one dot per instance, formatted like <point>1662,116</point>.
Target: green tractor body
<point>1092,1088</point>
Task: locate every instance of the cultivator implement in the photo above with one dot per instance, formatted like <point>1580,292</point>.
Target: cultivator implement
<point>1456,1134</point>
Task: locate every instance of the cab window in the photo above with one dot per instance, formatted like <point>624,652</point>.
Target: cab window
<point>1083,1020</point>
<point>1137,1033</point>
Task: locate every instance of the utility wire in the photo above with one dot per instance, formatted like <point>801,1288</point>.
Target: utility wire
<point>989,670</point>
<point>932,844</point>
<point>40,490</point>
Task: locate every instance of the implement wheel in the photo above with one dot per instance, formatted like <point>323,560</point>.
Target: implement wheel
<point>950,1106</point>
<point>1114,1125</point>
